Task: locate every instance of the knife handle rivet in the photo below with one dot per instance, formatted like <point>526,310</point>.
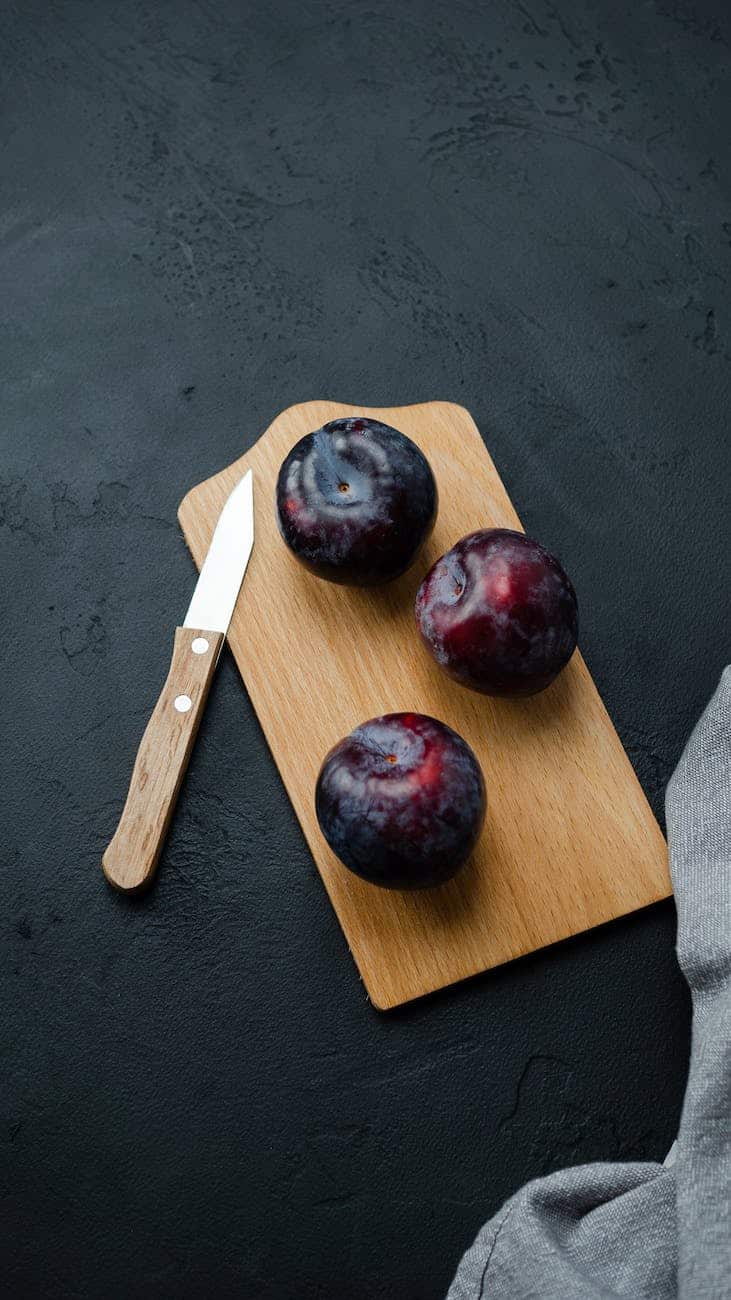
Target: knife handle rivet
<point>199,645</point>
<point>183,703</point>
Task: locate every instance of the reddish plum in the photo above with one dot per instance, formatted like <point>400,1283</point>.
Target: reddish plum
<point>401,801</point>
<point>499,613</point>
<point>355,501</point>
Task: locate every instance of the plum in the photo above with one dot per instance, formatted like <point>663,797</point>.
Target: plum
<point>499,613</point>
<point>355,501</point>
<point>401,801</point>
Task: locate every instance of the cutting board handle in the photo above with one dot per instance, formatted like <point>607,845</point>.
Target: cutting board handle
<point>130,860</point>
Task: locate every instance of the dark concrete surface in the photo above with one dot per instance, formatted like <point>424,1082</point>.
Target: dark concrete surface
<point>209,211</point>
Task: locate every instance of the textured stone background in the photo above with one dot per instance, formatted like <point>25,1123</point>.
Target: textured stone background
<point>207,211</point>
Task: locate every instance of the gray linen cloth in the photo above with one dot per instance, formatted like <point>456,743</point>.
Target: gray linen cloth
<point>648,1230</point>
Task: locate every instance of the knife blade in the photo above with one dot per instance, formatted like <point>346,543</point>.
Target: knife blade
<point>130,860</point>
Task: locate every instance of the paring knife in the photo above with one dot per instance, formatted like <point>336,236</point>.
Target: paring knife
<point>130,860</point>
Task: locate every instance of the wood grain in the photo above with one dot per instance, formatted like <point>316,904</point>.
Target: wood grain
<point>570,840</point>
<point>131,858</point>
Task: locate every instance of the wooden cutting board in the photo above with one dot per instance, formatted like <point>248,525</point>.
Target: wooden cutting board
<point>570,840</point>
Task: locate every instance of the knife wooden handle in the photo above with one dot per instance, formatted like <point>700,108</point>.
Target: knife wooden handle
<point>130,860</point>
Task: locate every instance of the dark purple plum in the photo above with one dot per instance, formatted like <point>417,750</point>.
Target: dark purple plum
<point>499,613</point>
<point>355,501</point>
<point>401,801</point>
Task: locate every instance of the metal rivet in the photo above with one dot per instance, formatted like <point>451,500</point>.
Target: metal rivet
<point>183,703</point>
<point>199,645</point>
